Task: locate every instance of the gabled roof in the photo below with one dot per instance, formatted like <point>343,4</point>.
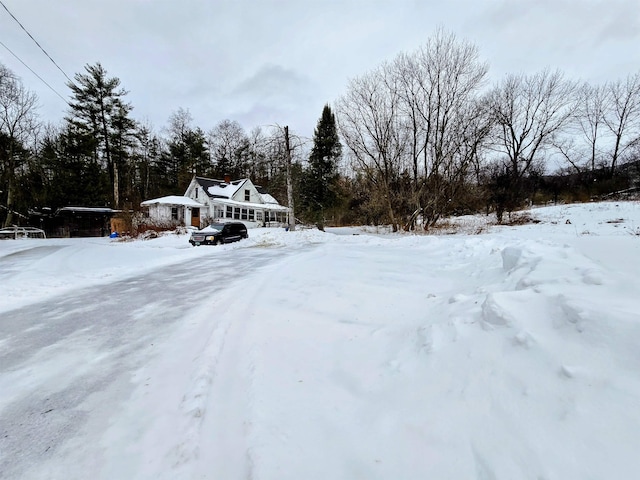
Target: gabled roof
<point>223,190</point>
<point>266,196</point>
<point>219,188</point>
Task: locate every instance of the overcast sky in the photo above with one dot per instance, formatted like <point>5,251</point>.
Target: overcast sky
<point>265,62</point>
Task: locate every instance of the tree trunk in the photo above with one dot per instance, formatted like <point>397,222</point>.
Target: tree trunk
<point>116,185</point>
<point>392,217</point>
<point>292,217</point>
<point>11,180</point>
<point>9,220</point>
<point>107,151</point>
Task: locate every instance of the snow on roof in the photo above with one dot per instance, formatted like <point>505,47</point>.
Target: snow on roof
<point>172,200</point>
<point>87,209</point>
<point>267,198</point>
<point>221,189</point>
<point>225,190</point>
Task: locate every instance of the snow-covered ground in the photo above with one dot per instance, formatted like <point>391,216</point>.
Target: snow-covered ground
<point>510,354</point>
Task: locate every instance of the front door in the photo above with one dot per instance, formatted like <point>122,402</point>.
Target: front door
<point>195,217</point>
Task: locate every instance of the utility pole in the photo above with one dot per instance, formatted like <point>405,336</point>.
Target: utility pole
<point>292,217</point>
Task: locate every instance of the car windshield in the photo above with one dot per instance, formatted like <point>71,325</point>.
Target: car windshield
<point>215,226</point>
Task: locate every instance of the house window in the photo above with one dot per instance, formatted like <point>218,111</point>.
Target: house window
<point>174,213</point>
<point>251,215</point>
<point>244,214</point>
<point>259,216</point>
<point>247,195</point>
<point>236,213</point>
<point>229,211</point>
<point>196,193</point>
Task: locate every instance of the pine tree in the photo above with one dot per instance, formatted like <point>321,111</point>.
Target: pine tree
<point>98,110</point>
<point>73,176</point>
<point>319,192</point>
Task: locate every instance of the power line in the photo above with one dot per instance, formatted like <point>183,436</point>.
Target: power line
<point>35,41</point>
<point>41,79</point>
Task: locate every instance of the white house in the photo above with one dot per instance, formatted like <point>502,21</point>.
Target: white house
<point>207,200</point>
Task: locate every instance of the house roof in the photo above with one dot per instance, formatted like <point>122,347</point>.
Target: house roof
<point>172,200</point>
<point>225,191</point>
<point>219,188</point>
<point>266,198</point>
<point>86,210</point>
<point>205,183</point>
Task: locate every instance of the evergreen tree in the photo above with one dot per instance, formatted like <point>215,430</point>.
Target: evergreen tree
<point>99,113</point>
<point>147,161</point>
<point>319,183</point>
<point>71,176</point>
<point>123,144</point>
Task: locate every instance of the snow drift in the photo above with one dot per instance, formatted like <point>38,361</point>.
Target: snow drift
<point>512,354</point>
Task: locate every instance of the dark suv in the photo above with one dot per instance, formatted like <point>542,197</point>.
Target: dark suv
<point>218,233</point>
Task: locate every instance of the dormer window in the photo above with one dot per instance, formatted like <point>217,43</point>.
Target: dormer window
<point>247,195</point>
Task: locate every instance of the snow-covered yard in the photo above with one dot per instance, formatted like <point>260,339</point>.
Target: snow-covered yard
<point>351,354</point>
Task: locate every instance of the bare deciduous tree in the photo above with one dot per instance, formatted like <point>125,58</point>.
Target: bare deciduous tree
<point>581,144</point>
<point>418,117</point>
<point>529,112</point>
<point>180,123</point>
<point>622,117</point>
<point>228,144</point>
<point>590,118</point>
<point>18,121</point>
<point>450,75</point>
<point>258,165</point>
<point>370,124</point>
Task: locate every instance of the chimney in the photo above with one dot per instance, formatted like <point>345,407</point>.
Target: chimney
<point>227,178</point>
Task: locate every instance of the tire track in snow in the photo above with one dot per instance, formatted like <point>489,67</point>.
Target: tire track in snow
<point>116,324</point>
<point>216,408</point>
<point>195,400</point>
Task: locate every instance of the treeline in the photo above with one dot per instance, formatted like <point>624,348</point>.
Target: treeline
<point>420,137</point>
<point>101,156</point>
<point>429,137</point>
